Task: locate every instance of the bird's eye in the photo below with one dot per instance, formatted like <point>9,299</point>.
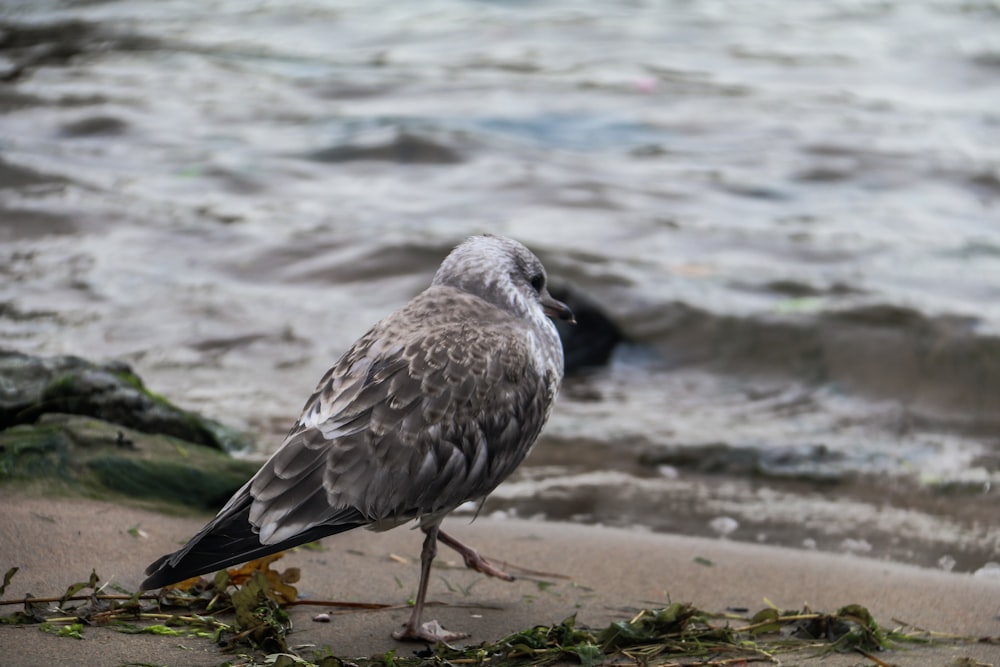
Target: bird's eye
<point>538,282</point>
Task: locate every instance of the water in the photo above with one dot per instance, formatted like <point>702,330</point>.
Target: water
<point>791,210</point>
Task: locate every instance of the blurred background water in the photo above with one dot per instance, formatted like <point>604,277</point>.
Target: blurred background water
<point>790,211</point>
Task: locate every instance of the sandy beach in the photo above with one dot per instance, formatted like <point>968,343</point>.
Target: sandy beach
<point>786,217</point>
<point>611,573</point>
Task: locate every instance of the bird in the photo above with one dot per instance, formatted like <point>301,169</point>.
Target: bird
<point>433,407</point>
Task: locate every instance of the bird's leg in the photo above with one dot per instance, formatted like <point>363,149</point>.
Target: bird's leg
<point>473,559</point>
<point>432,630</point>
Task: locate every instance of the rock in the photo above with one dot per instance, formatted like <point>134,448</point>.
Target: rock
<point>75,454</point>
<point>402,147</point>
<point>73,426</point>
<point>589,342</point>
<point>33,386</point>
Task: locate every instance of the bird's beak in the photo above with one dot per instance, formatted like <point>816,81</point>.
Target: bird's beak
<point>557,309</point>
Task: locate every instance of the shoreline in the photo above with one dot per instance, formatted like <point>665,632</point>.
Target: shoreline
<point>613,572</point>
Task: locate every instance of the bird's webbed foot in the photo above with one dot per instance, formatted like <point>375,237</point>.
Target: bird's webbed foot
<point>431,632</point>
<point>473,559</point>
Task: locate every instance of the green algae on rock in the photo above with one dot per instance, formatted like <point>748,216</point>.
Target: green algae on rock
<point>33,386</point>
<point>71,426</point>
<point>73,454</point>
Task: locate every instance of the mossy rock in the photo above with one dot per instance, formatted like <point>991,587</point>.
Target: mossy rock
<point>74,454</point>
<point>33,386</point>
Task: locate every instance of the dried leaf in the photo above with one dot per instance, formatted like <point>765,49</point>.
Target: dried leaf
<point>279,583</point>
<point>72,590</point>
<point>6,579</point>
<point>187,584</point>
<point>238,575</point>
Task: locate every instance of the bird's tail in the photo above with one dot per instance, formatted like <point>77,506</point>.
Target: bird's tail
<point>227,540</point>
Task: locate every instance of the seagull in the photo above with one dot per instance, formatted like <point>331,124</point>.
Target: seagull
<point>433,407</point>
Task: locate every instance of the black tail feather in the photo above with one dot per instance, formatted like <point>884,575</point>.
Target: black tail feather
<point>227,540</point>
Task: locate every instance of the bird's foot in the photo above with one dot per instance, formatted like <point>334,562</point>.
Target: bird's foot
<point>475,561</point>
<point>431,631</point>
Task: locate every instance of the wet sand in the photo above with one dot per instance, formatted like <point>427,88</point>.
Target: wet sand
<point>613,572</point>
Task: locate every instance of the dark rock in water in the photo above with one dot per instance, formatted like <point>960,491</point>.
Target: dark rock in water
<point>95,126</point>
<point>943,368</point>
<point>592,339</point>
<point>74,454</point>
<point>404,148</point>
<point>33,386</point>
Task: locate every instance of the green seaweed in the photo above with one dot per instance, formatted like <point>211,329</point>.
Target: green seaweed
<point>72,630</point>
<point>259,618</point>
<point>674,633</point>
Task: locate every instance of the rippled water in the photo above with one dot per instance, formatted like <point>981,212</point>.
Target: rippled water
<point>791,210</point>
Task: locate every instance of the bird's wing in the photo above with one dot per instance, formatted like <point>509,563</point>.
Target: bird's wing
<point>408,423</point>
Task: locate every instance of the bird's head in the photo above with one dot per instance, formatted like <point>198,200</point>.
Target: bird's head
<point>504,273</point>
